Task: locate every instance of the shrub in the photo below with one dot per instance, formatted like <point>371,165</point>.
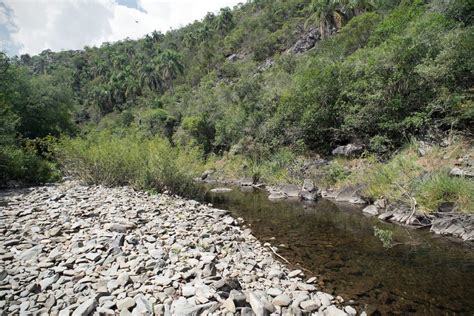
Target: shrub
<point>441,187</point>
<point>25,166</point>
<point>125,158</point>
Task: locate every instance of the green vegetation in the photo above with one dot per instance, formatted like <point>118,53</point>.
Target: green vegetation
<point>124,157</point>
<point>385,236</point>
<point>228,92</point>
<point>407,176</point>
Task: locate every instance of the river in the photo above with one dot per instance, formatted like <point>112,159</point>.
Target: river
<point>422,274</point>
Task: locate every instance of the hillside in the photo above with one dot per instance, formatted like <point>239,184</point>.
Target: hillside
<point>247,90</point>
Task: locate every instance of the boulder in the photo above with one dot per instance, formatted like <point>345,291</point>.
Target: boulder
<point>290,190</point>
<point>458,172</point>
<point>371,209</point>
<point>308,196</point>
<point>247,182</point>
<point>350,194</point>
<point>309,186</point>
<point>348,150</point>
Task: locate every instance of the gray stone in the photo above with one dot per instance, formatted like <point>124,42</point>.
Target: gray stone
<point>348,150</point>
<point>125,303</point>
<point>274,291</point>
<point>257,305</point>
<point>458,172</point>
<point>371,210</point>
<point>309,306</point>
<point>350,194</point>
<point>290,190</point>
<point>31,253</point>
<point>229,305</point>
<point>47,282</point>
<point>308,186</point>
<point>143,306</point>
<point>350,310</point>
<point>282,300</point>
<point>86,308</point>
<point>162,280</point>
<point>295,273</point>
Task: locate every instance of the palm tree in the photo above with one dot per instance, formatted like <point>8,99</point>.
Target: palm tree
<point>170,66</point>
<point>324,15</point>
<point>157,36</point>
<point>189,39</point>
<point>150,77</point>
<point>224,21</point>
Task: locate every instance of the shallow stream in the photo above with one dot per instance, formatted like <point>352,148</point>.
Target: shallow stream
<point>421,274</point>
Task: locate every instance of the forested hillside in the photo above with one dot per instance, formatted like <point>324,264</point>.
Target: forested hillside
<point>265,79</point>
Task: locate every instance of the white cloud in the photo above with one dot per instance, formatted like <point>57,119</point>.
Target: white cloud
<point>72,24</point>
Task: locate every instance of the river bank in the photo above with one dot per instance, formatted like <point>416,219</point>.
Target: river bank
<point>424,185</point>
<point>71,249</point>
<point>419,273</point>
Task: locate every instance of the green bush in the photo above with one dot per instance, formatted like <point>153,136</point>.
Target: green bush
<point>126,158</point>
<point>441,187</point>
<point>25,166</point>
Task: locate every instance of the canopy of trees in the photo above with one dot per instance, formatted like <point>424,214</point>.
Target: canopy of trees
<point>381,72</point>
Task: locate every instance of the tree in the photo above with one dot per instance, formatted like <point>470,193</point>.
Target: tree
<point>323,14</point>
<point>170,65</point>
<point>224,21</point>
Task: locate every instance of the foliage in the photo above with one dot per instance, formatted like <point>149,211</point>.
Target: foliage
<point>124,157</point>
<point>385,237</point>
<point>380,73</point>
<point>441,187</point>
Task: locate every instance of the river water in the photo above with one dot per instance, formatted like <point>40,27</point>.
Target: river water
<point>422,274</point>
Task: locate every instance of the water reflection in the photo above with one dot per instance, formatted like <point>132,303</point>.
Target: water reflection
<point>422,275</point>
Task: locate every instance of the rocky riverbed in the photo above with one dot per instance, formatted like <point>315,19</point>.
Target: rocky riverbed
<point>68,249</point>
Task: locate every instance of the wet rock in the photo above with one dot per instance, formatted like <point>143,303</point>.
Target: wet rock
<point>277,196</point>
<point>290,190</point>
<point>247,182</point>
<point>371,210</point>
<point>350,194</point>
<point>221,190</point>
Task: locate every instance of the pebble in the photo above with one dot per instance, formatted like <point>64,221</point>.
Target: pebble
<point>118,251</point>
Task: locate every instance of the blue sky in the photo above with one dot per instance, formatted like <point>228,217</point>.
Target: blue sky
<point>30,26</point>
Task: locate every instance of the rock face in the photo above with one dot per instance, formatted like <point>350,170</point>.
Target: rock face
<point>69,249</point>
<point>306,42</point>
<point>348,150</point>
<point>457,225</point>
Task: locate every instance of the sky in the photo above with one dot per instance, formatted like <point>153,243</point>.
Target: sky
<point>31,26</point>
